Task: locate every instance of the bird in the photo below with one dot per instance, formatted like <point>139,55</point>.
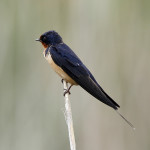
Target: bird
<point>70,68</point>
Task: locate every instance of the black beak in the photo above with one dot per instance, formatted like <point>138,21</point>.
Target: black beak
<point>38,40</point>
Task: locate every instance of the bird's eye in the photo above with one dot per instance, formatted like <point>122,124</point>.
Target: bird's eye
<point>44,38</point>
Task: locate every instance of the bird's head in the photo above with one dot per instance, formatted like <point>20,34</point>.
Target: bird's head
<point>50,38</point>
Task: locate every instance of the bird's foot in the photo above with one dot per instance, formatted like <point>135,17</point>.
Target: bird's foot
<point>67,91</point>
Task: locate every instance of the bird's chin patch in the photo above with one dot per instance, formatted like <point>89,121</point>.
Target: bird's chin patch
<point>44,45</point>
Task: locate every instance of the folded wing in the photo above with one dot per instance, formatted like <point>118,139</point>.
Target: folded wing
<point>65,58</point>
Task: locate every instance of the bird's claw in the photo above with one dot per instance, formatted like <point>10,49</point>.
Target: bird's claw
<point>67,91</point>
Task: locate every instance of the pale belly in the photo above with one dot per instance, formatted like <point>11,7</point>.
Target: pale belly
<point>59,71</point>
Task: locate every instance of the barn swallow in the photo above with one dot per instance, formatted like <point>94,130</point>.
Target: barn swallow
<point>70,68</point>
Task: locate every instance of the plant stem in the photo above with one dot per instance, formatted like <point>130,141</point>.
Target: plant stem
<point>68,116</point>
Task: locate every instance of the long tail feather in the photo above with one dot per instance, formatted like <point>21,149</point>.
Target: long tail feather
<point>129,123</point>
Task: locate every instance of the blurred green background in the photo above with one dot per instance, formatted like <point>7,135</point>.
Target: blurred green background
<point>112,37</point>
